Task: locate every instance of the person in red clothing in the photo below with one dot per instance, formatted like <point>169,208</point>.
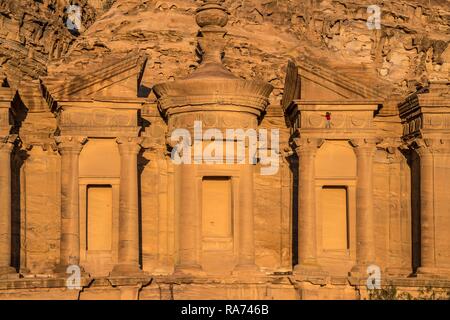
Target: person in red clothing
<point>328,119</point>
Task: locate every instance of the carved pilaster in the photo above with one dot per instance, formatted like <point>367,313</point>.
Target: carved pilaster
<point>129,148</point>
<point>246,257</point>
<point>427,149</point>
<point>365,233</point>
<point>6,146</point>
<point>306,150</point>
<point>70,148</point>
<point>393,163</point>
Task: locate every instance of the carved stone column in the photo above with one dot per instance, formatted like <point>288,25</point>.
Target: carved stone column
<point>70,149</point>
<point>427,234</point>
<point>307,230</point>
<point>365,233</point>
<point>128,208</point>
<point>397,263</point>
<point>188,260</point>
<point>6,146</point>
<point>246,257</point>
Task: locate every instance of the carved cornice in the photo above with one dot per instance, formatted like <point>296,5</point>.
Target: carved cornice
<point>216,93</point>
<point>409,105</point>
<point>427,110</point>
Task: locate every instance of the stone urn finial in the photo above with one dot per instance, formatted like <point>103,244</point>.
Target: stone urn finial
<point>212,18</point>
<point>212,88</point>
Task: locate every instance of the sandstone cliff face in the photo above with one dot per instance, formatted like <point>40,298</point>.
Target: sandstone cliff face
<point>33,33</point>
<point>411,47</point>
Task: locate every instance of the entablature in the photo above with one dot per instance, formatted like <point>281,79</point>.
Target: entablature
<point>330,118</point>
<point>426,113</point>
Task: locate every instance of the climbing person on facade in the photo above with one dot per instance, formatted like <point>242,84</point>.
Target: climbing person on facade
<point>328,119</point>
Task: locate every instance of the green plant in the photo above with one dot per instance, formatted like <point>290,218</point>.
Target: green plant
<point>391,293</point>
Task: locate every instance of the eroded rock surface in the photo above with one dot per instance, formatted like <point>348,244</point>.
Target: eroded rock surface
<point>411,47</point>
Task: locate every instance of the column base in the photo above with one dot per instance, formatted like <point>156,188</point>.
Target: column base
<point>313,270</point>
<point>310,272</point>
<point>194,270</point>
<point>398,272</point>
<point>8,273</point>
<point>247,270</point>
<point>60,270</point>
<point>432,272</point>
<point>126,269</point>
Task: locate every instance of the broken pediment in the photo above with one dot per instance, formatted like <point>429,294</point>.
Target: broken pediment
<point>310,81</point>
<point>427,112</point>
<point>116,80</point>
<point>326,103</point>
<point>7,95</point>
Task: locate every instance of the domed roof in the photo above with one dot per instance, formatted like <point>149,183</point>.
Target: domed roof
<point>212,83</point>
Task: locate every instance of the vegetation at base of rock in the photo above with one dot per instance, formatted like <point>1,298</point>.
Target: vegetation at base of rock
<point>392,293</point>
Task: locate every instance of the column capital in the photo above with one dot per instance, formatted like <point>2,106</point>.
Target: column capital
<point>307,146</point>
<point>428,147</point>
<point>365,146</point>
<point>70,144</point>
<point>129,145</point>
<point>392,148</point>
<point>7,143</point>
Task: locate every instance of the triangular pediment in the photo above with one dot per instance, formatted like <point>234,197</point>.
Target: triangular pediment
<point>118,79</point>
<point>311,81</point>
